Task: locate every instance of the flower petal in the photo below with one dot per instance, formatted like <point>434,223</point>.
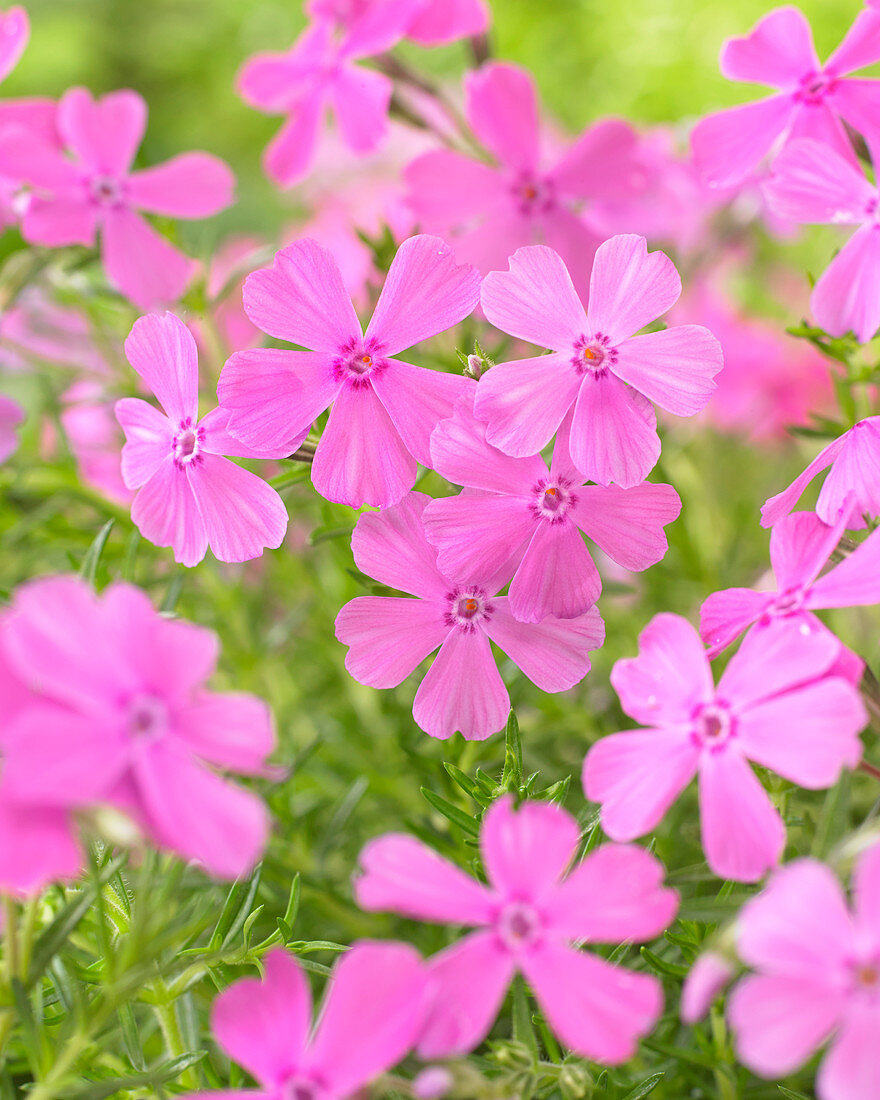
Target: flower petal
<point>728,145</point>
<point>556,576</point>
<point>243,515</point>
<point>502,108</point>
<point>524,402</point>
<point>614,433</point>
<point>630,287</point>
<point>163,352</point>
<point>462,691</point>
<point>417,399</point>
<point>851,1068</point>
<point>231,729</point>
<point>149,437</point>
<point>774,659</point>
<point>810,182</point>
<point>628,523</point>
<point>779,51</point>
<point>388,637</point>
<point>780,505</point>
<point>104,133</point>
<point>141,263</point>
<point>392,548</point>
<point>674,367</point>
<point>725,615</point>
<point>192,185</point>
<point>165,513</point>
<point>290,154</point>
<point>526,851</point>
<point>478,536</point>
<point>860,48</point>
<point>555,653</point>
<point>846,297</point>
<point>361,98</point>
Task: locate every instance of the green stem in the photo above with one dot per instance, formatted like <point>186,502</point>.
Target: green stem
<point>169,1025</point>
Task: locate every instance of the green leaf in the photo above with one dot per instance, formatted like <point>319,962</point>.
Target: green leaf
<point>236,908</point>
<point>451,813</point>
<point>791,1094</point>
<point>512,776</point>
<point>89,567</point>
<point>645,1087</point>
<point>467,784</point>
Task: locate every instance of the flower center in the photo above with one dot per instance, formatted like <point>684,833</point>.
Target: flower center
<point>106,191</point>
<point>467,607</point>
<point>356,362</point>
<point>533,195</point>
<point>713,725</point>
<point>814,87</point>
<point>593,356</point>
<point>552,500</point>
<point>187,444</point>
<point>301,1089</point>
<point>147,717</point>
<point>518,925</point>
<point>787,603</point>
<point>865,976</point>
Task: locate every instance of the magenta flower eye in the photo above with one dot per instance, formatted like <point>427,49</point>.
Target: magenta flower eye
<point>519,925</point>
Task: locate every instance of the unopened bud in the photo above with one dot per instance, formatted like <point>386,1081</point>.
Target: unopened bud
<point>575,1081</point>
<point>475,366</point>
<point>432,1083</point>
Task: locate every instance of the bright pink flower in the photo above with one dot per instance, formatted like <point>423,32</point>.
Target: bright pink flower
<point>384,409</point>
<point>525,521</point>
<point>15,31</point>
<point>11,415</point>
<point>854,458</point>
<point>37,116</point>
<point>94,189</point>
<point>813,99</point>
<point>122,716</point>
<point>706,979</point>
<point>320,73</point>
<point>812,183</point>
<point>462,690</point>
<point>374,1007</point>
<point>608,376</point>
<point>527,918</point>
<point>800,547</point>
<point>817,964</point>
<point>190,497</point>
<point>490,211</point>
<point>778,704</point>
<point>438,22</point>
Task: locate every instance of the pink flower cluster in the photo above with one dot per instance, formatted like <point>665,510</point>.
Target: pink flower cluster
<point>105,704</point>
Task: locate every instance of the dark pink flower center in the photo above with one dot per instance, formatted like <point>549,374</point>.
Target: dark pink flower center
<point>553,499</point>
<point>302,1089</point>
<point>357,362</point>
<point>787,603</point>
<point>865,976</point>
<point>713,726</point>
<point>814,87</point>
<point>187,444</point>
<point>593,355</point>
<point>147,717</point>
<point>872,209</point>
<point>106,191</point>
<point>466,607</point>
<point>519,925</point>
<point>533,195</point>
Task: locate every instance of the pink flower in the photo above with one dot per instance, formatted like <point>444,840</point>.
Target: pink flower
<point>384,409</point>
<point>94,437</point>
<point>374,1007</point>
<point>599,369</point>
<point>817,964</point>
<point>854,481</point>
<point>812,183</point>
<point>489,211</point>
<point>11,415</point>
<point>778,704</point>
<point>708,976</point>
<point>462,690</point>
<point>121,716</point>
<point>800,546</point>
<point>15,31</point>
<point>527,918</point>
<point>439,22</point>
<point>320,73</point>
<point>522,520</point>
<point>37,329</point>
<point>813,99</point>
<point>94,189</point>
<point>190,497</point>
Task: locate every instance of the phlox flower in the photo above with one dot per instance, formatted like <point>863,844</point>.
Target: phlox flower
<point>384,409</point>
<point>488,211</point>
<point>527,918</point>
<point>320,73</point>
<point>812,183</point>
<point>853,483</point>
<point>373,1009</point>
<point>524,521</point>
<point>817,978</point>
<point>120,715</point>
<point>189,497</point>
<point>95,189</point>
<point>813,100</point>
<point>92,432</point>
<point>15,31</point>
<point>598,368</point>
<point>800,546</point>
<point>779,704</point>
<point>11,416</point>
<point>706,979</point>
<point>37,330</point>
<point>438,22</point>
<point>462,690</point>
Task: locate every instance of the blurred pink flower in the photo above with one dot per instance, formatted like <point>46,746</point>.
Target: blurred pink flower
<point>489,211</point>
<point>374,1006</point>
<point>94,437</point>
<point>37,330</point>
<point>811,183</point>
<point>95,189</point>
<point>527,917</point>
<point>800,547</point>
<point>439,22</point>
<point>383,409</point>
<point>333,228</point>
<point>706,979</point>
<point>779,704</point>
<point>521,520</point>
<point>234,258</point>
<point>389,636</point>
<point>120,715</point>
<point>189,496</point>
<point>320,73</point>
<point>599,369</point>
<point>11,416</point>
<point>817,978</point>
<point>15,31</point>
<point>854,458</point>
<point>814,99</point>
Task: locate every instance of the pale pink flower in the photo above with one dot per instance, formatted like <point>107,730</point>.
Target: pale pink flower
<point>94,189</point>
<point>800,546</point>
<point>320,73</point>
<point>439,22</point>
<point>853,483</point>
<point>779,704</point>
<point>813,100</point>
<point>121,716</point>
<point>812,183</point>
<point>11,416</point>
<point>38,330</point>
<point>706,979</point>
<point>389,636</point>
<point>521,520</point>
<point>36,115</point>
<point>230,265</point>
<point>608,376</point>
<point>527,918</point>
<point>817,978</point>
<point>488,211</point>
<point>333,227</point>
<point>384,409</point>
<point>190,497</point>
<point>374,1007</point>
<point>15,31</point>
<point>94,437</point>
